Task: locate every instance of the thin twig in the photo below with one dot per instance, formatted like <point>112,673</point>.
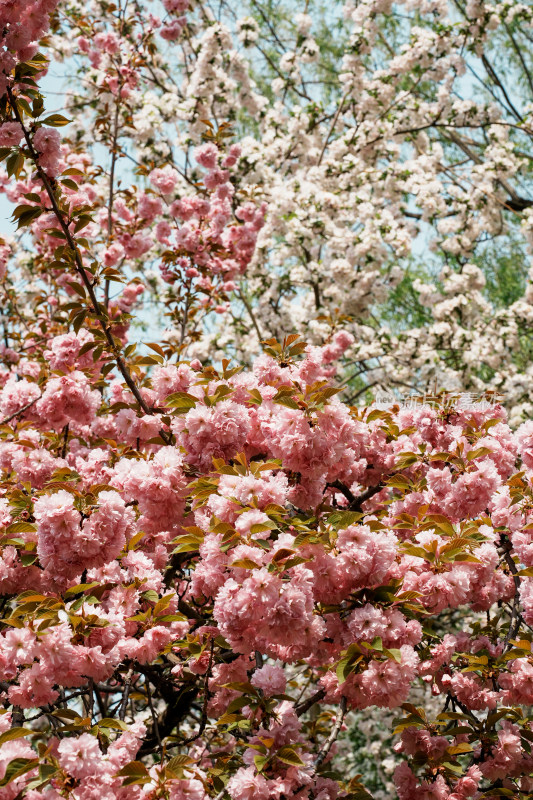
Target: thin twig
<point>127,687</point>
<point>207,695</point>
<point>80,269</point>
<point>20,411</point>
<point>333,735</point>
<point>112,184</point>
<point>65,441</point>
<point>516,617</point>
<point>251,313</point>
<point>332,126</point>
<point>306,705</point>
<point>154,715</point>
<point>356,503</point>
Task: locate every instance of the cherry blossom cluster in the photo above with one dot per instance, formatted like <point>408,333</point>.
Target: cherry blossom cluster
<point>279,527</point>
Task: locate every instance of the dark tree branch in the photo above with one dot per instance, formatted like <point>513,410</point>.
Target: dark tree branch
<point>97,308</point>
<point>356,503</point>
<point>178,705</point>
<point>306,705</point>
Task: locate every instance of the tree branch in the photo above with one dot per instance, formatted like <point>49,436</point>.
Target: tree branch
<point>306,705</point>
<point>322,755</point>
<point>356,503</point>
<point>80,269</point>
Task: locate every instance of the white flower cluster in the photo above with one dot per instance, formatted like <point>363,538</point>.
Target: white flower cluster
<point>389,178</point>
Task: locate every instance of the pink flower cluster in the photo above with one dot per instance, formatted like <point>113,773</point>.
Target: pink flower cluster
<point>67,544</point>
<point>23,23</point>
<point>172,29</point>
<point>47,142</point>
<point>276,521</point>
<point>213,241</point>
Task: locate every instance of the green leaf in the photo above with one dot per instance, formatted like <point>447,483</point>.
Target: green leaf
<point>22,103</point>
<point>255,397</point>
<point>158,349</point>
<point>261,527</point>
<point>148,361</point>
<point>69,183</point>
<point>395,654</point>
<point>288,402</point>
<point>79,289</point>
<point>240,686</point>
<point>417,712</point>
<point>67,713</point>
<point>150,595</point>
<point>526,573</point>
<point>134,768</point>
<point>343,519</point>
<point>261,762</point>
<point>182,400</point>
<point>466,557</point>
<point>21,527</point>
<point>18,767</point>
<point>78,321</point>
<point>56,120</point>
<point>82,221</point>
<point>14,164</point>
<point>15,733</point>
<point>26,217</point>
<point>114,724</point>
<point>289,756</point>
<point>28,558</point>
<point>462,747</point>
<point>245,563</point>
<point>237,704</point>
<point>441,522</point>
<point>454,768</point>
<point>480,451</point>
<point>178,762</point>
<point>348,662</point>
<point>187,544</point>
